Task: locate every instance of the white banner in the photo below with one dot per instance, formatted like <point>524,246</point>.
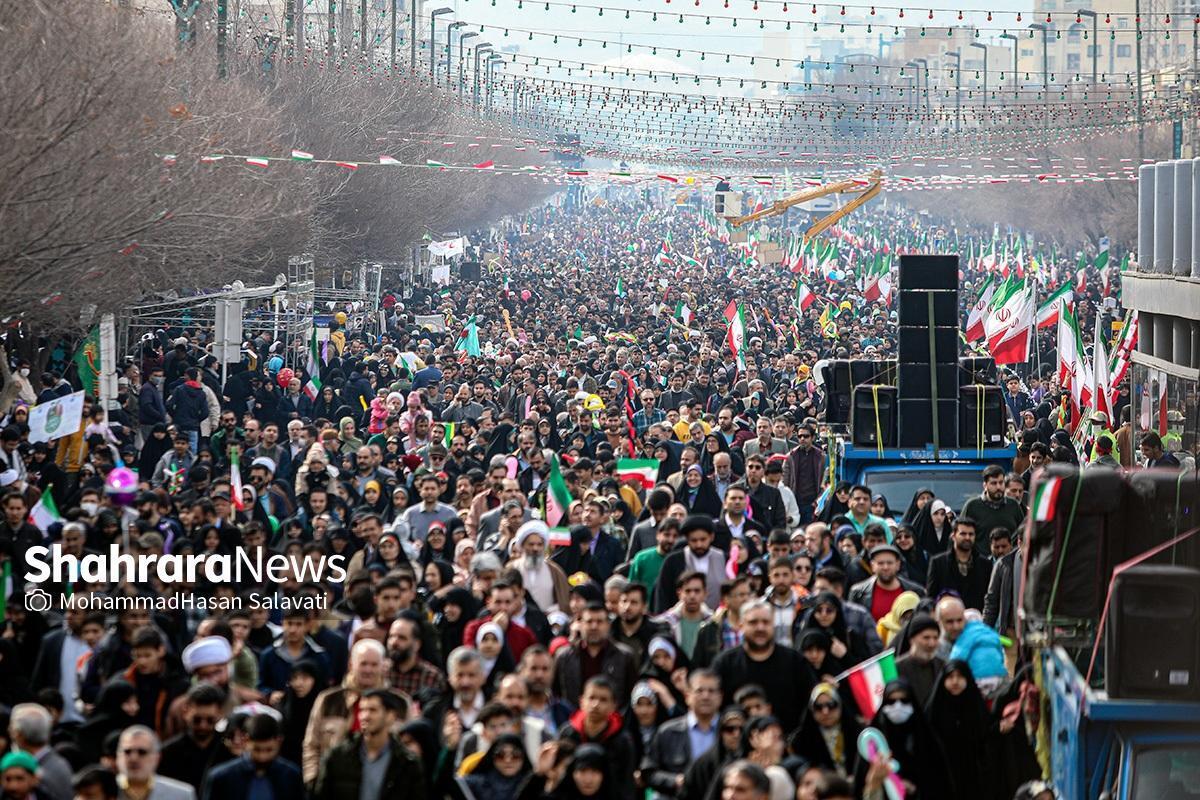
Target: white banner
<point>451,248</point>
<point>433,322</point>
<point>60,417</point>
<point>440,274</point>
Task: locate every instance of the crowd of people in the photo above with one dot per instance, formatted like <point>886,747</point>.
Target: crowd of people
<point>686,636</point>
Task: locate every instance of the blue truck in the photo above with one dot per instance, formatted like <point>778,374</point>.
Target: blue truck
<point>897,473</point>
<point>1117,749</point>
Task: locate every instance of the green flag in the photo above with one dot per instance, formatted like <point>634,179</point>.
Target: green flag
<point>468,340</point>
<point>87,361</point>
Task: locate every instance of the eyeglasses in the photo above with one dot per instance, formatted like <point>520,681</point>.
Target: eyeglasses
<point>824,706</point>
<point>135,751</point>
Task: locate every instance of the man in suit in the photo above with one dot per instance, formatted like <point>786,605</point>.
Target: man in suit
<point>680,741</point>
<point>29,728</point>
<point>262,773</point>
<point>764,443</point>
<point>697,555</point>
<point>343,770</point>
<point>47,669</point>
<point>606,551</point>
<point>735,524</point>
<point>137,763</point>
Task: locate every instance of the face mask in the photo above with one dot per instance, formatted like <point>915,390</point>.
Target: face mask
<point>898,713</point>
<point>24,372</point>
<point>157,380</point>
<point>89,508</point>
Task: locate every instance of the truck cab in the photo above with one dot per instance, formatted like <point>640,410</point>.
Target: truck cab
<point>1118,749</point>
<point>897,474</point>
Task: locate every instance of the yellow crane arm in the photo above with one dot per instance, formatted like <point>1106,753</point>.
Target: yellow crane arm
<point>866,189</point>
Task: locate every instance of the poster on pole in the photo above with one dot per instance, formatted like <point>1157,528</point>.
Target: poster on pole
<point>58,418</point>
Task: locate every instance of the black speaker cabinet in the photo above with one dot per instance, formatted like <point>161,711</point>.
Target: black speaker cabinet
<point>976,369</point>
<point>916,380</point>
<point>873,421</point>
<point>981,412</point>
<point>914,307</point>
<point>469,271</point>
<point>913,345</point>
<point>838,386</point>
<point>880,372</point>
<point>1152,645</point>
<point>928,272</point>
<point>915,423</point>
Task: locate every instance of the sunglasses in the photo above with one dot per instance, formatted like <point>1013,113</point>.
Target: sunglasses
<point>824,706</point>
<point>507,755</point>
<point>731,729</point>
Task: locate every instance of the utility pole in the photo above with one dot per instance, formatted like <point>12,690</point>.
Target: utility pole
<point>984,48</point>
<point>1137,25</point>
<point>462,81</point>
<point>479,48</point>
<point>1083,12</point>
<point>449,52</point>
<point>925,63</point>
<point>433,15</point>
<point>412,44</point>
<point>1016,47</point>
<point>1045,29</point>
<point>222,37</point>
<point>957,55</point>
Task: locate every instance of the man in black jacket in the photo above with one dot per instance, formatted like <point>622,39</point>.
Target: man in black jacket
<point>17,536</point>
<point>189,407</point>
<point>961,568</point>
<point>353,768</point>
<point>598,722</point>
<point>670,751</point>
<point>766,502</point>
<point>235,779</point>
<point>596,647</point>
<point>188,755</point>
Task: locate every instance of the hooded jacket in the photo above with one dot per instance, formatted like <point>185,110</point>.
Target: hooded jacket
<point>618,748</point>
<point>188,406</point>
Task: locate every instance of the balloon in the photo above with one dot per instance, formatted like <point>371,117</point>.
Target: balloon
<point>121,486</point>
<point>871,742</point>
<point>525,295</point>
<point>340,318</point>
<point>285,377</point>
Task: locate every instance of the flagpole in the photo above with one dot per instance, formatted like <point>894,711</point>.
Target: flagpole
<point>1037,343</point>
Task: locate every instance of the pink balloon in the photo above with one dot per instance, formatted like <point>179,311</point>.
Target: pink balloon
<point>121,486</point>
<point>525,295</point>
<point>512,464</point>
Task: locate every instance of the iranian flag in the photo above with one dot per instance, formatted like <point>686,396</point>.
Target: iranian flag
<point>735,314</point>
<point>878,284</point>
<point>868,679</point>
<point>642,470</point>
<point>1047,314</point>
<point>1072,363</point>
<point>1009,329</point>
<point>1125,346</point>
<point>388,161</point>
<point>804,297</point>
<point>300,155</point>
<point>977,319</point>
<point>429,162</point>
<point>1045,499</point>
<point>235,479</point>
<point>1101,262</point>
<point>45,512</point>
<point>1101,388</point>
<point>313,387</point>
<point>683,313</point>
<point>558,496</point>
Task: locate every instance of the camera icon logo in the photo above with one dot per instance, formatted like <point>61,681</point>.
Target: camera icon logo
<point>38,600</point>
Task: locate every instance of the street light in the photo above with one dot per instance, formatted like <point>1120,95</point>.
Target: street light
<point>957,54</point>
<point>1016,47</point>
<point>1045,29</point>
<point>925,63</point>
<point>450,61</point>
<point>984,48</point>
<point>1083,12</point>
<point>433,15</point>
<point>917,84</point>
<point>479,48</point>
<point>493,60</point>
<point>462,83</point>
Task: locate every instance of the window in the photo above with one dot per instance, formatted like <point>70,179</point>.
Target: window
<point>1094,50</point>
<point>1026,52</point>
<point>1072,62</point>
<point>1123,50</point>
<point>1122,22</point>
<point>1162,771</point>
<point>1073,33</point>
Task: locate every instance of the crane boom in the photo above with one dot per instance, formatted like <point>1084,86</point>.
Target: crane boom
<point>866,189</point>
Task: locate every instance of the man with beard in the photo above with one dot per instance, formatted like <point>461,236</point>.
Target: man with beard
<point>459,463</point>
<point>410,673</point>
<point>699,556</point>
<point>462,407</point>
<point>920,666</point>
<point>993,509</point>
<point>648,563</point>
<point>803,470</point>
<point>536,667</point>
<point>634,628</point>
<point>760,661</point>
<point>490,499</point>
<point>544,581</point>
<point>594,653</point>
<point>188,755</point>
<point>962,568</point>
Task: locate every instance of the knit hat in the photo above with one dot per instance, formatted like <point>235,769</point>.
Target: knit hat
<point>922,622</point>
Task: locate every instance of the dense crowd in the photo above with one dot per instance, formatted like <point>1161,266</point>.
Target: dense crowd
<point>688,636</point>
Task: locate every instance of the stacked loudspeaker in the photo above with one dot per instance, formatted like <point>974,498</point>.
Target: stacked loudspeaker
<point>928,352</point>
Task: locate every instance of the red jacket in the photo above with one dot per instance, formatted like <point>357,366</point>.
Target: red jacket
<point>516,637</point>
